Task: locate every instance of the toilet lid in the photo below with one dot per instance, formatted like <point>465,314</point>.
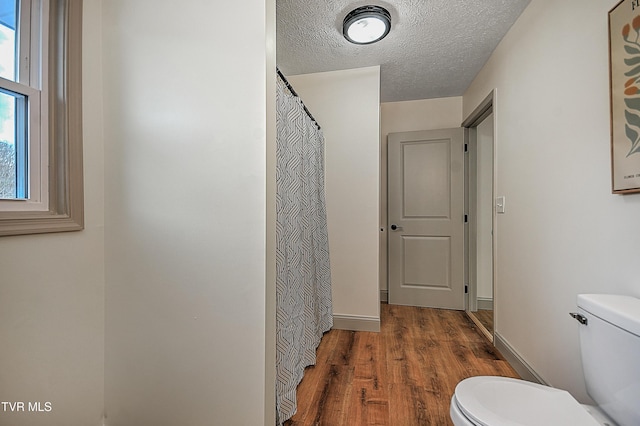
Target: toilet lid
<point>497,401</point>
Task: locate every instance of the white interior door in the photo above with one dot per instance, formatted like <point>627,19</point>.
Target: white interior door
<point>426,218</point>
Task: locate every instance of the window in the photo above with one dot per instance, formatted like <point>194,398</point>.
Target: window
<point>22,155</point>
<point>13,145</point>
<point>40,116</point>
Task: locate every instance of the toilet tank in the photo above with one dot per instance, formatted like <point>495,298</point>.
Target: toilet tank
<point>610,347</point>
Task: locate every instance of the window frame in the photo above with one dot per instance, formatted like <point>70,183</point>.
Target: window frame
<point>62,112</point>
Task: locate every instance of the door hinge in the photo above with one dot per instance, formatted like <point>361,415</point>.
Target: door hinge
<point>466,218</point>
<point>466,288</point>
<point>466,147</point>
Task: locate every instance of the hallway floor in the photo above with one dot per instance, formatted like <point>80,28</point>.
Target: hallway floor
<point>486,319</point>
<point>403,376</point>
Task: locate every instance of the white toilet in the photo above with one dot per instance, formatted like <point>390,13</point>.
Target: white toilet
<point>610,347</point>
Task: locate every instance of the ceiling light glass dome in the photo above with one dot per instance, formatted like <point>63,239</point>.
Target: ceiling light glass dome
<point>366,24</point>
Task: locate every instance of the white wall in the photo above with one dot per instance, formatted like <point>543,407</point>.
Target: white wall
<point>347,106</point>
<point>186,192</point>
<point>427,114</point>
<point>563,233</point>
<point>52,290</point>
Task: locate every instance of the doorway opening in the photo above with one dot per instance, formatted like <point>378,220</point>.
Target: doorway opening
<point>479,202</point>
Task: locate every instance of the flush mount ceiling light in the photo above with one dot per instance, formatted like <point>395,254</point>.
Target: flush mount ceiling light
<point>366,24</point>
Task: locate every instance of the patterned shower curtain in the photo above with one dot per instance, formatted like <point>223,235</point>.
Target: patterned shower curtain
<point>303,281</point>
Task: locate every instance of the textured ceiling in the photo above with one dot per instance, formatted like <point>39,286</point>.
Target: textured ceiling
<point>434,50</point>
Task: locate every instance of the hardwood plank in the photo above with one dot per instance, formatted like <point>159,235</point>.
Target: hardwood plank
<point>486,318</point>
<point>343,351</point>
<point>404,375</point>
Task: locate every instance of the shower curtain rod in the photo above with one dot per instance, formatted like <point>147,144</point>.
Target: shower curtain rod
<point>293,92</point>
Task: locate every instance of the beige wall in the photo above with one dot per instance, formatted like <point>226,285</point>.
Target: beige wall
<point>428,114</point>
<point>52,290</point>
<point>563,232</point>
<point>347,106</point>
<point>185,213</point>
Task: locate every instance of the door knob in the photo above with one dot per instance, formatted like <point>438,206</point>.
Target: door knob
<point>395,227</point>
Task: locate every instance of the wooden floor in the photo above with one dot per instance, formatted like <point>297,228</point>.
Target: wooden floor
<point>486,318</point>
<point>403,376</point>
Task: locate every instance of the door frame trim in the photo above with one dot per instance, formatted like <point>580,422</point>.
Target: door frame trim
<point>481,112</point>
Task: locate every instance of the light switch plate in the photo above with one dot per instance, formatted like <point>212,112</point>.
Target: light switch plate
<point>500,205</point>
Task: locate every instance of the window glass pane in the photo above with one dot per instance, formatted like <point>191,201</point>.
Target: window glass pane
<point>8,19</point>
<point>13,146</point>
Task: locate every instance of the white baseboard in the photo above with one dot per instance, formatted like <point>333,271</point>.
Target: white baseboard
<point>384,296</point>
<point>485,304</point>
<point>356,323</point>
<point>517,362</point>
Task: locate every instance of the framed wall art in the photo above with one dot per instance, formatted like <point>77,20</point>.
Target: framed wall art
<point>624,72</point>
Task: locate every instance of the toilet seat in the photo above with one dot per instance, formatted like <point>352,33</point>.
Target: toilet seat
<point>501,401</point>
